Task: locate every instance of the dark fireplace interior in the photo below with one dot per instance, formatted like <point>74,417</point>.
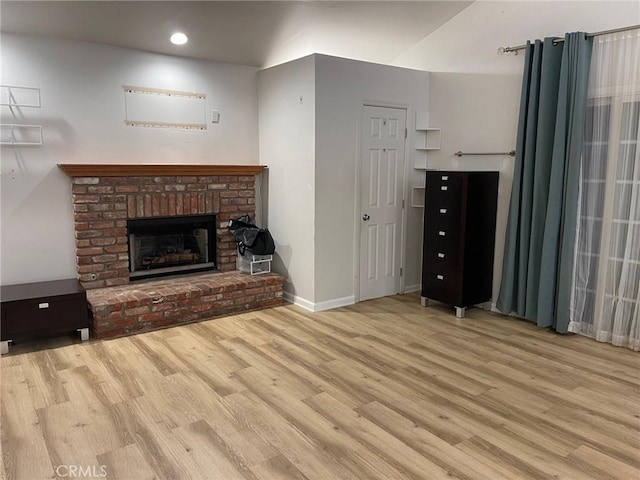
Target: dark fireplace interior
<point>171,245</point>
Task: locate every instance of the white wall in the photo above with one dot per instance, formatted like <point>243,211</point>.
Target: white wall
<point>83,122</point>
<point>478,113</point>
<point>311,147</point>
<point>469,41</point>
<point>287,144</point>
<point>341,87</point>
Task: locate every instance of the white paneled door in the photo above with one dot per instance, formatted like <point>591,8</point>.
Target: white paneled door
<point>382,166</point>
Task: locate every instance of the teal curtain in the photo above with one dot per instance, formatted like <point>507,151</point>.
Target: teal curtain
<point>540,238</point>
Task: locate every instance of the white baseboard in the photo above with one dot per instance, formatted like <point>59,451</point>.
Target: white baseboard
<point>412,288</point>
<point>299,301</point>
<point>320,306</point>
<point>334,303</point>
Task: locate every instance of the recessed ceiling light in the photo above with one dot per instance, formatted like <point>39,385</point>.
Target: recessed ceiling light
<point>179,38</point>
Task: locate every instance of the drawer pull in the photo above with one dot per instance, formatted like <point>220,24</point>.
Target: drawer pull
<point>440,277</point>
<point>440,255</point>
<point>442,233</point>
<point>443,210</point>
<point>444,188</point>
<point>43,305</point>
<point>445,178</point>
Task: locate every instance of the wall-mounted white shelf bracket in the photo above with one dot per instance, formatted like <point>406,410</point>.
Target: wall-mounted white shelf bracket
<point>17,96</point>
<point>20,135</point>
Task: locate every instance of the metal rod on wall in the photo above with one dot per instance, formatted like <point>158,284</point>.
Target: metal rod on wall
<point>512,153</point>
<point>503,50</point>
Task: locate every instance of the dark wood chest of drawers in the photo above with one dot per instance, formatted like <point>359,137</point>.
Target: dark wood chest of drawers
<point>40,309</point>
<point>459,237</point>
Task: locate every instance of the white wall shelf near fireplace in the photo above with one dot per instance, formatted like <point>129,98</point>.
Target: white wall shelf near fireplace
<point>17,96</point>
<point>20,135</point>
<point>14,96</point>
<point>426,138</point>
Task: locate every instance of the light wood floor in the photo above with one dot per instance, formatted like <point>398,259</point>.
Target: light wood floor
<point>382,390</point>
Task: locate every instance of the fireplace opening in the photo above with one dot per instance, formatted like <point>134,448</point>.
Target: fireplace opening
<point>171,245</point>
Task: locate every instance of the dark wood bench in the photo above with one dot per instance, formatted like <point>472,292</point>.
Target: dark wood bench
<point>33,310</point>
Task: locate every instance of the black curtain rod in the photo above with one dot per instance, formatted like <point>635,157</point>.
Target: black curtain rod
<point>502,50</point>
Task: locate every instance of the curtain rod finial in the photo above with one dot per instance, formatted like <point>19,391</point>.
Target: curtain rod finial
<point>504,50</point>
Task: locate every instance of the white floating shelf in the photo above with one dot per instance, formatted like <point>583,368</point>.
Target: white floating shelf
<point>428,139</point>
<point>417,197</point>
<point>420,160</point>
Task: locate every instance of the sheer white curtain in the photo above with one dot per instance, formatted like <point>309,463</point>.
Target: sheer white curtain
<point>606,279</point>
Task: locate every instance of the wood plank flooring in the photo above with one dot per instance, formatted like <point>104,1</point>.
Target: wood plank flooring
<point>385,389</point>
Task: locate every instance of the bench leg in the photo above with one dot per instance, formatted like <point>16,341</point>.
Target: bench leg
<point>460,312</point>
<point>424,301</point>
<point>84,334</point>
<point>4,347</point>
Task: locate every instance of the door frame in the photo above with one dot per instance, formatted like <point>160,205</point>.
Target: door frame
<point>358,185</point>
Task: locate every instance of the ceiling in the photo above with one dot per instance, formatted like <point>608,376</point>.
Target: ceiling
<point>256,33</point>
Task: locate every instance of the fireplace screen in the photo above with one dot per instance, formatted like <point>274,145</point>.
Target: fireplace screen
<point>171,245</point>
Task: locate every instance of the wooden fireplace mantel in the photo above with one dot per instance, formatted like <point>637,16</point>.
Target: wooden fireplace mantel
<point>155,170</point>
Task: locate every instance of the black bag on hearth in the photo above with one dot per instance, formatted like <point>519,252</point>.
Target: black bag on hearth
<point>251,237</point>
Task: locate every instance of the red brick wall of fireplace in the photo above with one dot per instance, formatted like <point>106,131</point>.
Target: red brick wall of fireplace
<point>102,206</point>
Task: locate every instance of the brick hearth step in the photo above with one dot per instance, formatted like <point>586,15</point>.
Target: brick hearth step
<point>149,305</point>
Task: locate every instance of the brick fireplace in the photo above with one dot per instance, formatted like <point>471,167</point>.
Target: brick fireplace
<point>107,196</point>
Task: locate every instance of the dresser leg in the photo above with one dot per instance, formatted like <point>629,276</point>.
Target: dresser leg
<point>460,312</point>
<point>424,301</point>
<point>84,334</point>
<point>4,347</point>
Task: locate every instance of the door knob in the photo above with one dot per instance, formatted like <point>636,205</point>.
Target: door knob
<point>365,217</point>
